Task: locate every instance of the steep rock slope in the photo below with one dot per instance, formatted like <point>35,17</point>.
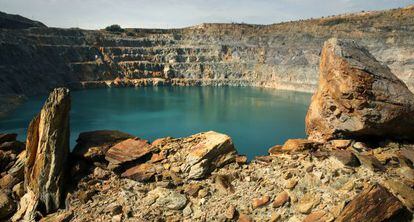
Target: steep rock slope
<point>37,59</point>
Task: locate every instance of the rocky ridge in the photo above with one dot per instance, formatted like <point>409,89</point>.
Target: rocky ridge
<point>286,55</point>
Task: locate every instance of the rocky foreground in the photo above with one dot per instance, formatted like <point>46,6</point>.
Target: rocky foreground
<point>356,165</point>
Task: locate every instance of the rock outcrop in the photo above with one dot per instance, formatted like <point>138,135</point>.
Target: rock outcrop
<point>358,97</point>
<point>47,148</point>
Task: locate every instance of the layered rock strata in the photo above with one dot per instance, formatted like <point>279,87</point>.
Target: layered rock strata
<point>285,55</point>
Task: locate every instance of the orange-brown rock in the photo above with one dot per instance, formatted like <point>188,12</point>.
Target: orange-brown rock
<point>260,202</point>
<point>142,172</point>
<point>281,199</point>
<point>358,97</point>
<point>94,144</point>
<point>127,150</point>
<point>47,148</point>
<point>374,203</point>
<point>297,145</point>
<point>317,216</point>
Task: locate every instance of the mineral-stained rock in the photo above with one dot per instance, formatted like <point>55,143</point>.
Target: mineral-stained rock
<point>47,148</point>
<point>346,157</point>
<point>402,191</point>
<point>127,150</point>
<point>358,97</point>
<point>297,145</point>
<point>213,151</point>
<point>142,172</point>
<point>7,206</point>
<point>7,137</point>
<point>374,203</point>
<point>94,144</point>
<point>281,199</point>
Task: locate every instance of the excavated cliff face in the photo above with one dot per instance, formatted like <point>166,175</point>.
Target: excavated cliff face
<point>285,56</point>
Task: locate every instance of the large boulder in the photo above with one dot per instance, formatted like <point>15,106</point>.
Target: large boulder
<point>127,150</point>
<point>358,97</point>
<point>47,148</point>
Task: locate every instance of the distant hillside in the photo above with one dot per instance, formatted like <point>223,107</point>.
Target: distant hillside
<point>8,21</point>
<point>283,55</point>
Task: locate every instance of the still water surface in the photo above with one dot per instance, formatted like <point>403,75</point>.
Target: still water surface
<point>255,118</point>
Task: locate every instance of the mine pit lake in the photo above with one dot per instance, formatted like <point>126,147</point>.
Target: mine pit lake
<point>255,118</point>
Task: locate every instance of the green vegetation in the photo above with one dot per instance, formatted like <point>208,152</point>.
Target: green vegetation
<point>114,28</point>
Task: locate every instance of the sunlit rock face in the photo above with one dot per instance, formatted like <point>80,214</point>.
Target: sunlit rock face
<point>283,56</point>
<point>358,97</point>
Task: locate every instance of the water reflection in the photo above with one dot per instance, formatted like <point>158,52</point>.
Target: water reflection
<point>255,118</point>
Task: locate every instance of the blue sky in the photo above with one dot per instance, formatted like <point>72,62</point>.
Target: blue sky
<point>93,14</point>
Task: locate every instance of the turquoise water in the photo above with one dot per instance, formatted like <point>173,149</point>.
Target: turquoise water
<point>255,118</point>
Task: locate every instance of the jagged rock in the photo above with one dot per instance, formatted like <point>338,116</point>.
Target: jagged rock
<point>317,216</point>
<point>340,144</point>
<point>7,206</point>
<point>223,183</point>
<point>297,145</point>
<point>47,148</point>
<point>358,97</point>
<point>374,203</point>
<point>94,144</point>
<point>142,172</point>
<point>7,137</point>
<point>346,157</point>
<point>408,154</point>
<point>18,190</point>
<point>127,150</point>
<point>213,151</point>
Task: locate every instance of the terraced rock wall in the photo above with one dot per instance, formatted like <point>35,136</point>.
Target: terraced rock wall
<point>283,56</point>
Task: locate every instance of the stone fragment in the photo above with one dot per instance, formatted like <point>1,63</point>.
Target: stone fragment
<point>291,184</point>
<point>60,216</point>
<point>346,157</point>
<point>317,216</point>
<point>241,159</point>
<point>275,150</point>
<point>369,161</point>
<point>213,151</point>
<point>341,144</point>
<point>7,137</point>
<point>127,150</point>
<point>47,149</point>
<point>402,191</point>
<point>192,189</point>
<point>297,145</point>
<point>169,199</point>
<point>142,172</point>
<point>15,146</point>
<point>7,206</point>
<point>275,217</point>
<point>230,212</point>
<point>374,203</point>
<point>358,97</point>
<point>260,202</point>
<point>157,157</point>
<point>308,202</point>
<point>281,199</point>
<point>244,218</point>
<point>223,183</point>
<point>94,144</point>
<point>18,190</point>
<point>408,154</point>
